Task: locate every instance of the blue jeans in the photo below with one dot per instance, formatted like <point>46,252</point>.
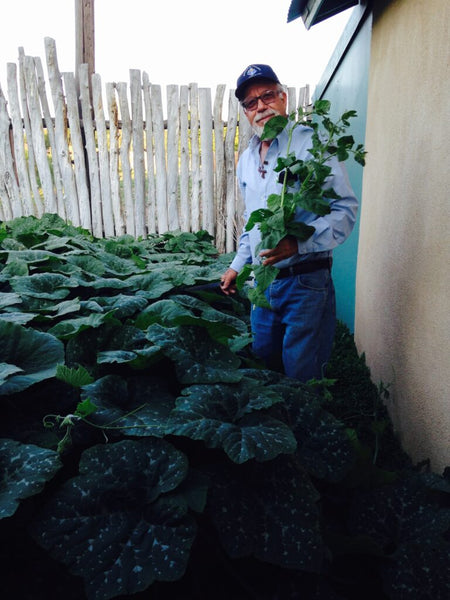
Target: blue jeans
<point>297,334</point>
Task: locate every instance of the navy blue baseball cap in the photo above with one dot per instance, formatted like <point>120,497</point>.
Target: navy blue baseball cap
<point>250,75</point>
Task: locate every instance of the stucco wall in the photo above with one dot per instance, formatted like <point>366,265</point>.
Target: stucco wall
<point>402,314</point>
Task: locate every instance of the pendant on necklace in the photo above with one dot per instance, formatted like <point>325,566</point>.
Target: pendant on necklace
<point>261,170</point>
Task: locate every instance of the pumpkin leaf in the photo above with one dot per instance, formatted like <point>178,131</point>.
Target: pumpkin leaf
<point>117,524</point>
<point>30,356</point>
<point>269,512</point>
<point>138,406</point>
<point>197,358</point>
<point>24,468</point>
<point>232,417</point>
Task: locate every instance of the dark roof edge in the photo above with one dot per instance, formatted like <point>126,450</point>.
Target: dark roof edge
<point>315,11</point>
<point>296,9</point>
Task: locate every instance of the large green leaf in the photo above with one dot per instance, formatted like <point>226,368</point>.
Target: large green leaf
<point>83,347</point>
<point>210,313</point>
<point>300,230</point>
<point>91,264</point>
<point>124,337</point>
<point>323,445</point>
<point>410,519</point>
<point>183,275</point>
<point>99,283</point>
<point>404,511</point>
<point>51,286</point>
<point>274,126</point>
<point>137,359</point>
<point>232,417</point>
<point>121,524</point>
<point>151,285</point>
<point>308,201</point>
<point>72,327</point>
<point>31,230</point>
<point>186,310</point>
<point>264,276</point>
<point>197,358</point>
<point>66,245</point>
<point>167,312</point>
<point>124,306</point>
<point>20,318</point>
<point>274,223</point>
<point>8,244</point>
<point>180,274</point>
<point>257,216</point>
<point>36,354</point>
<point>56,310</point>
<point>32,257</point>
<point>186,241</point>
<point>267,511</point>
<point>419,569</point>
<point>6,370</point>
<point>14,268</point>
<point>115,265</point>
<point>24,470</point>
<point>127,344</point>
<point>137,406</point>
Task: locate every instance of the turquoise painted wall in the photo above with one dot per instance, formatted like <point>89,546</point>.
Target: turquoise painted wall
<point>345,84</point>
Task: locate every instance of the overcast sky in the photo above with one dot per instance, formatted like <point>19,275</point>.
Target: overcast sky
<point>175,41</point>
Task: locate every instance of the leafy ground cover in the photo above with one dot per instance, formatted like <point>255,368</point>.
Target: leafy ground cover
<point>146,454</point>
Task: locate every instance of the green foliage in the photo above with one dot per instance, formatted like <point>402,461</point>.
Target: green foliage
<point>25,469</point>
<point>26,357</point>
<point>303,185</point>
<point>76,377</point>
<point>234,418</point>
<point>145,449</point>
<point>124,508</point>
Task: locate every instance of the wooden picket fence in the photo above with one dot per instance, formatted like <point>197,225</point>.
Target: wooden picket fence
<point>127,169</point>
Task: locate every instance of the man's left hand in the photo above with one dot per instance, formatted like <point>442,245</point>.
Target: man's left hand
<point>285,248</point>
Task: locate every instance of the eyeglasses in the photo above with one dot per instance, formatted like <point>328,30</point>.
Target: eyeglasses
<point>268,97</point>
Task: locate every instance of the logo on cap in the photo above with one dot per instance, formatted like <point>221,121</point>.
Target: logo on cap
<point>252,70</point>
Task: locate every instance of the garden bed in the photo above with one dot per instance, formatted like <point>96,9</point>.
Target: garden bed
<point>147,454</point>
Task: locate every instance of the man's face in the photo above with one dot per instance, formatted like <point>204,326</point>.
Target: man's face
<point>262,112</point>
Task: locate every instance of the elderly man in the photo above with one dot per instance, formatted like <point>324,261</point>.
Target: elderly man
<point>296,333</point>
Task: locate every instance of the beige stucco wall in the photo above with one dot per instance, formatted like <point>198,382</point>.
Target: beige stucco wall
<point>403,285</point>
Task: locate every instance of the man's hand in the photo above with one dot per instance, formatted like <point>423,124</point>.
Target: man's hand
<point>285,248</point>
<point>228,282</point>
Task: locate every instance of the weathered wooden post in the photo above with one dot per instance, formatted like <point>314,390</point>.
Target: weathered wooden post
<point>84,37</point>
<point>85,54</point>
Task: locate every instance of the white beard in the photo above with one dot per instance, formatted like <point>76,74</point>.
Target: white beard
<point>258,129</point>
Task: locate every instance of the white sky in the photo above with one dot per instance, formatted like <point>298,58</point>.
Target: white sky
<point>175,41</point>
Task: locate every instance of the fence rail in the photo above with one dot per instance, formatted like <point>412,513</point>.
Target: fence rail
<point>107,159</point>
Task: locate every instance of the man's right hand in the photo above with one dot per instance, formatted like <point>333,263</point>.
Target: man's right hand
<point>228,282</point>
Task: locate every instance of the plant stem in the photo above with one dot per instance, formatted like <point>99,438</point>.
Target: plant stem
<point>283,191</point>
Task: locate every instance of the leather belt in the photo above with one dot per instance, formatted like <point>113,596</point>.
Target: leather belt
<point>305,267</point>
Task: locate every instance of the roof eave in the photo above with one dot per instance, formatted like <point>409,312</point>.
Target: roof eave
<point>315,11</point>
